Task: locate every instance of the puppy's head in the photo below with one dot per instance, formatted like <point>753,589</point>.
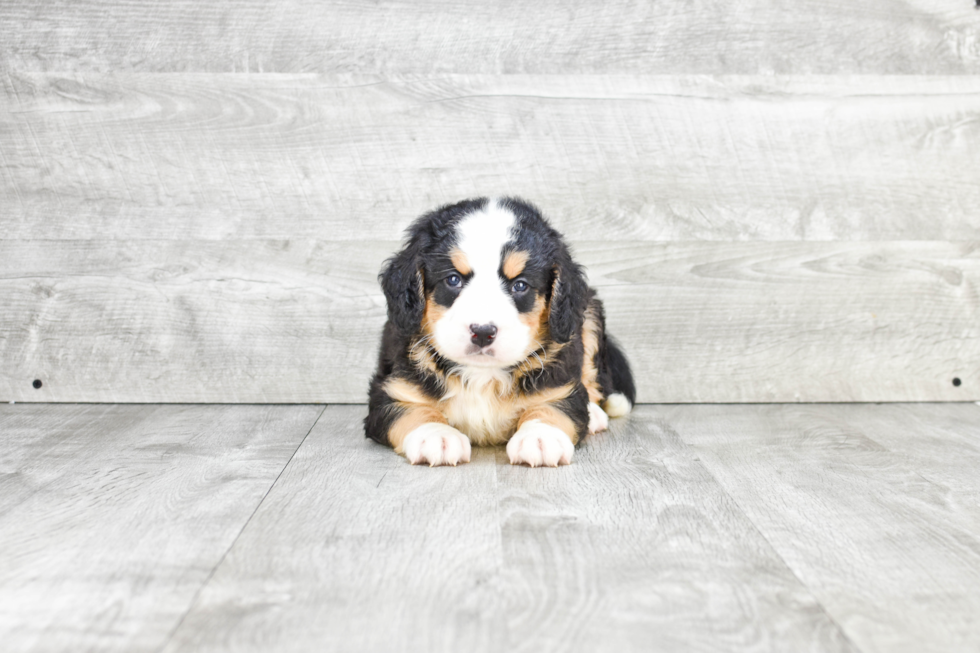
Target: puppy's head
<point>488,281</point>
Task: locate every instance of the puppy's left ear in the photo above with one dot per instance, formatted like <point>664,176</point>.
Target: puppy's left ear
<point>569,298</point>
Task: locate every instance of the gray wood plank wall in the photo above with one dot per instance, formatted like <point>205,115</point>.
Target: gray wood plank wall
<point>470,36</point>
<point>778,201</point>
<point>286,321</point>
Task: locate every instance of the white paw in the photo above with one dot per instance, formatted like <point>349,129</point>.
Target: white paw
<point>537,444</point>
<point>598,420</point>
<point>616,405</point>
<point>436,444</point>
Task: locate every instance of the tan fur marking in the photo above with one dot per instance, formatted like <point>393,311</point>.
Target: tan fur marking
<point>413,417</point>
<point>537,326</point>
<point>433,313</point>
<point>537,322</point>
<point>423,358</point>
<point>407,392</point>
<point>590,345</point>
<point>421,353</point>
<point>421,350</point>
<point>460,261</point>
<point>514,264</point>
<point>550,395</point>
<point>553,416</point>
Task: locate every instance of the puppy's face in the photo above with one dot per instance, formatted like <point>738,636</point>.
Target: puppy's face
<point>486,282</point>
<point>485,293</point>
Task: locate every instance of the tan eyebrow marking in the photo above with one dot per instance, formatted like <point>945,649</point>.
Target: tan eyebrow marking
<point>460,261</point>
<point>514,264</point>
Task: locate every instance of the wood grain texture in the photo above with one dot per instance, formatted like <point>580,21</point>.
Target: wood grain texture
<point>299,322</point>
<point>941,442</point>
<point>871,506</point>
<point>246,321</point>
<point>627,157</point>
<point>113,517</point>
<point>357,550</point>
<point>633,547</point>
<point>795,322</point>
<point>552,37</point>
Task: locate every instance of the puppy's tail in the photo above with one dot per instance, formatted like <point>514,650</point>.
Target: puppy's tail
<point>622,395</point>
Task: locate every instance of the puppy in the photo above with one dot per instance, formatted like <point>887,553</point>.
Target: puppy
<point>492,336</point>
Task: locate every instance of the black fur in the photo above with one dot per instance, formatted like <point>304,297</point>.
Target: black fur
<point>613,368</point>
<point>618,368</point>
<point>401,280</point>
<point>569,298</point>
<point>567,290</point>
<point>382,411</point>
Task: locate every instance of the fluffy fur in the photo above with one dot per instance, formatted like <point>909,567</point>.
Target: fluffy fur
<point>493,336</point>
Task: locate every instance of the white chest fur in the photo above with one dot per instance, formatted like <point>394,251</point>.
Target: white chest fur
<point>480,405</point>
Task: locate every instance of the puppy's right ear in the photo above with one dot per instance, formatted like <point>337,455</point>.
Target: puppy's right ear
<point>404,288</point>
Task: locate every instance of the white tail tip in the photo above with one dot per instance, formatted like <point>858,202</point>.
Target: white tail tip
<point>616,405</point>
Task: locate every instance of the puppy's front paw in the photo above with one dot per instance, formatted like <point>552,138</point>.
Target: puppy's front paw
<point>436,444</point>
<point>537,444</point>
<point>598,420</point>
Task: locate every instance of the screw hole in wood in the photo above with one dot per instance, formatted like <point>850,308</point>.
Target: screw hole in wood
<point>37,384</point>
<point>956,380</point>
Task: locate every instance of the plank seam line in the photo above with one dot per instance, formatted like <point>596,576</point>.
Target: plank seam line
<point>197,594</point>
<point>693,450</point>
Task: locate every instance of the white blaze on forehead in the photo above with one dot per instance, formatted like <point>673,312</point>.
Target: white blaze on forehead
<point>483,235</point>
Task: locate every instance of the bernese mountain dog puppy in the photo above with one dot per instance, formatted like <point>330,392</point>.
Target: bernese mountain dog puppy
<point>492,336</point>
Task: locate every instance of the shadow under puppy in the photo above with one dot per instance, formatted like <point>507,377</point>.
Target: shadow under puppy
<point>492,336</point>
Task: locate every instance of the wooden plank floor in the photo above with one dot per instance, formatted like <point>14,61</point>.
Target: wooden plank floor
<point>112,517</point>
<point>697,528</point>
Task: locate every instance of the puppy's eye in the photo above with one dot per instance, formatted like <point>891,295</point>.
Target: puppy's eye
<point>454,280</point>
<point>519,286</point>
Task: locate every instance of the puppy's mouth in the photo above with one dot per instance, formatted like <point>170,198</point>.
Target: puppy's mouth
<point>480,352</point>
<point>481,357</point>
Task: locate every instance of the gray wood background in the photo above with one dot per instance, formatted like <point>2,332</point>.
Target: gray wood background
<point>777,200</point>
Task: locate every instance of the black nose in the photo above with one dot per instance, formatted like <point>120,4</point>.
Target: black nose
<point>482,334</point>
